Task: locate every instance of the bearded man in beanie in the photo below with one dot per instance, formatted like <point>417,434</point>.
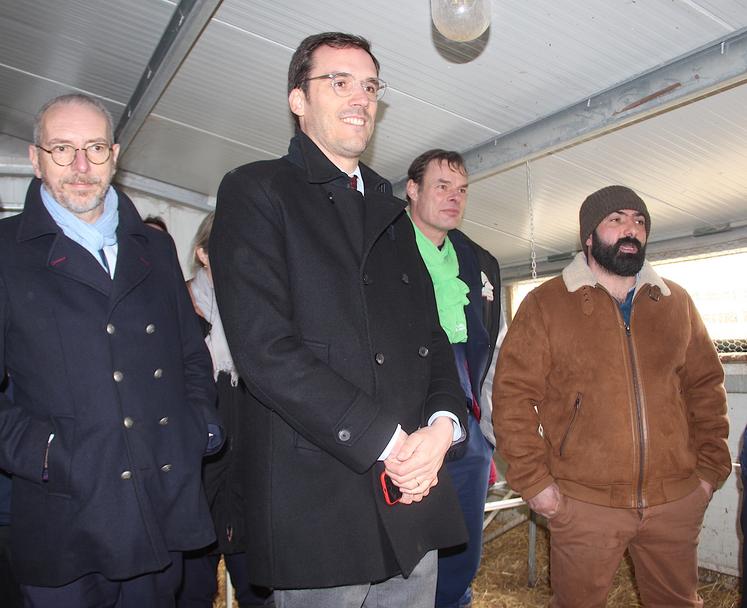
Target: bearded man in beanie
<point>610,411</point>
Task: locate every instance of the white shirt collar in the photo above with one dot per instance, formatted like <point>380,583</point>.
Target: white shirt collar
<point>357,173</point>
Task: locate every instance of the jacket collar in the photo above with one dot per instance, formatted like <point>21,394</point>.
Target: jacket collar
<point>578,274</point>
<point>66,257</point>
<point>304,153</point>
<point>36,221</point>
<point>382,209</point>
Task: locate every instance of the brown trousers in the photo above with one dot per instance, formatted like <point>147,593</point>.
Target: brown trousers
<point>588,542</point>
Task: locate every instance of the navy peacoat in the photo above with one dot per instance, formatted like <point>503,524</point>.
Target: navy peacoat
<point>330,316</point>
<point>118,371</point>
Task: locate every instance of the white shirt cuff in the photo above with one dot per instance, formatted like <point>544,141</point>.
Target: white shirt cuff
<point>457,427</point>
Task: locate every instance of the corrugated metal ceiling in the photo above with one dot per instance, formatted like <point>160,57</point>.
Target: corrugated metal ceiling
<point>227,104</point>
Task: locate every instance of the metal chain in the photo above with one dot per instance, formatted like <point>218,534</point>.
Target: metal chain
<point>533,251</point>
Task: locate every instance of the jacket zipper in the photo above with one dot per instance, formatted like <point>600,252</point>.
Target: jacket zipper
<point>576,408</point>
<point>640,501</point>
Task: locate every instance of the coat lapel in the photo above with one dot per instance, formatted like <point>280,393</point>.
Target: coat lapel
<point>133,266</point>
<point>382,209</point>
<point>134,262</point>
<point>64,257</point>
<point>67,258</point>
<point>478,340</point>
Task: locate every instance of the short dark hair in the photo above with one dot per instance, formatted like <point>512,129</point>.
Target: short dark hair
<point>420,164</point>
<point>73,99</point>
<point>156,221</point>
<point>299,69</point>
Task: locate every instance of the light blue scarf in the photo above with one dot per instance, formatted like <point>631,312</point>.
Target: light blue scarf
<point>93,237</point>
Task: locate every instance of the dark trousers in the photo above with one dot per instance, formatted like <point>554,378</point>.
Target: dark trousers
<point>199,585</point>
<point>10,592</point>
<point>457,566</point>
<point>155,590</point>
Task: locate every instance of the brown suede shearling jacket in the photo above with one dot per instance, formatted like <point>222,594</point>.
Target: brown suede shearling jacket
<point>630,416</point>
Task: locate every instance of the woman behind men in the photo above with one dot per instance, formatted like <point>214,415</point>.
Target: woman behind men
<point>224,471</point>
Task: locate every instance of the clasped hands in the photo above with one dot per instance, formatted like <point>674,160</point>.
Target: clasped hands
<point>415,459</point>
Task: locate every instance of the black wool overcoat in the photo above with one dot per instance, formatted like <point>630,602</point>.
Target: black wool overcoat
<point>330,316</point>
<point>119,372</point>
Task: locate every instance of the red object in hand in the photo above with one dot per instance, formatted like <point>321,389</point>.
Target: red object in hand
<point>392,493</point>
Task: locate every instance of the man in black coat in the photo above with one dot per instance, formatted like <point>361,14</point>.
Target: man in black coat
<point>113,396</point>
<point>466,279</point>
<point>330,316</point>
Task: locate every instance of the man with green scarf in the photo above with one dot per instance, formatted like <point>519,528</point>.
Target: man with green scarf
<point>466,282</point>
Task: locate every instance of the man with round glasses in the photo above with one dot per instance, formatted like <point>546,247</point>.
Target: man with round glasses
<point>331,320</point>
<point>76,177</point>
<point>113,395</point>
<point>64,154</point>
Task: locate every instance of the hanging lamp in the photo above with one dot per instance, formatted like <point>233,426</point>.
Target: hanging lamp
<point>461,20</point>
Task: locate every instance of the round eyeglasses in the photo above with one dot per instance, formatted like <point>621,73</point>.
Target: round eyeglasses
<point>64,154</point>
<point>343,84</point>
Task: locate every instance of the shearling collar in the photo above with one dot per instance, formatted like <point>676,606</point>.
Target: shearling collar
<point>577,274</point>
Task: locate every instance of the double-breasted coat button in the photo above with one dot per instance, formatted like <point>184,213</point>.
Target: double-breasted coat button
<point>126,475</point>
<point>366,279</point>
<point>128,422</point>
<point>423,351</point>
<point>379,358</point>
<point>343,435</point>
<point>166,468</point>
<point>150,328</point>
<point>164,421</point>
<point>118,376</point>
<point>405,278</point>
<point>110,329</point>
<point>158,373</point>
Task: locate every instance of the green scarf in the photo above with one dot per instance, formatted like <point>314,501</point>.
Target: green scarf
<point>451,291</point>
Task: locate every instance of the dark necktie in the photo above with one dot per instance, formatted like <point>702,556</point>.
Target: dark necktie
<point>353,182</point>
<point>105,262</point>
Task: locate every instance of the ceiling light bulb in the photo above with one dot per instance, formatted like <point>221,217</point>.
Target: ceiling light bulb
<point>461,20</point>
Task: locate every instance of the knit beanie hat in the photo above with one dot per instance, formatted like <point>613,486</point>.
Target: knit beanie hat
<point>601,203</point>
